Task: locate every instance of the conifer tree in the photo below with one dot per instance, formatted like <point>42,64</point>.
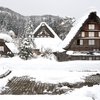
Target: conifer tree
<point>26,50</point>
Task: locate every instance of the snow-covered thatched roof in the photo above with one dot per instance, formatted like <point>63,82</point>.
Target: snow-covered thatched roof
<point>5,37</point>
<point>76,26</point>
<point>52,31</point>
<point>8,42</point>
<point>12,47</point>
<point>47,42</point>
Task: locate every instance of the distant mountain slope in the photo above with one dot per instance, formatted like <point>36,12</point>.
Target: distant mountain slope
<point>10,20</point>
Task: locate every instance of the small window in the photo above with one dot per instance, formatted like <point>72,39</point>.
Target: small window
<point>83,58</point>
<point>90,58</point>
<point>79,42</point>
<point>1,48</point>
<point>91,26</point>
<point>97,58</point>
<point>91,34</point>
<point>91,42</point>
<point>83,34</point>
<point>98,34</point>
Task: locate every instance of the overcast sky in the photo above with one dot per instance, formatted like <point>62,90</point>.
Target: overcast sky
<point>72,8</point>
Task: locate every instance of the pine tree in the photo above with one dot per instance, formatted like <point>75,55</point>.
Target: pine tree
<point>29,28</point>
<point>26,51</point>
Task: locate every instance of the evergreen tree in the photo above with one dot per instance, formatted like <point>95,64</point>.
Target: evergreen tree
<point>29,28</point>
<point>26,51</point>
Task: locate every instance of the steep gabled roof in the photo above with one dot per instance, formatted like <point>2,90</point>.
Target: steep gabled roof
<point>51,30</point>
<point>47,42</point>
<point>12,47</point>
<point>76,26</point>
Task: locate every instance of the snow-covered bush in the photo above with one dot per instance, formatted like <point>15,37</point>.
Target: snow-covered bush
<point>10,54</point>
<point>47,53</point>
<point>26,50</point>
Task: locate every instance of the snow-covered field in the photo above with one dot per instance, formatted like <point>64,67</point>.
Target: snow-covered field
<point>51,71</point>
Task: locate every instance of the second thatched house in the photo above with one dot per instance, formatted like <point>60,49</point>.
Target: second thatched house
<point>83,41</point>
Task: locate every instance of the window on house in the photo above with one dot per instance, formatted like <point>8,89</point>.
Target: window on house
<point>83,58</point>
<point>1,48</point>
<point>91,26</point>
<point>79,42</point>
<point>98,34</point>
<point>91,42</point>
<point>83,34</point>
<point>97,58</point>
<point>91,34</point>
<point>90,58</point>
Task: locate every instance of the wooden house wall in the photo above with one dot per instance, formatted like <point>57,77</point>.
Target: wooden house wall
<point>6,49</point>
<point>64,57</point>
<point>85,28</point>
<point>74,45</point>
<point>61,56</point>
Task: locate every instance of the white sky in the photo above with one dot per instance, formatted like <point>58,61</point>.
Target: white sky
<point>73,8</point>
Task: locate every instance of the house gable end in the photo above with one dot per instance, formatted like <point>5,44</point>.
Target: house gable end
<point>88,36</point>
<point>43,31</point>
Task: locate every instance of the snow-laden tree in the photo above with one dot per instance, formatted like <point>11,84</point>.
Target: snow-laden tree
<point>11,33</point>
<point>26,50</point>
<point>65,26</point>
<point>31,40</point>
<point>28,27</point>
<point>68,23</point>
<point>3,29</point>
<point>62,26</point>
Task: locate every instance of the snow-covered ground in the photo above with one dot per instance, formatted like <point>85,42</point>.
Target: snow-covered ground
<point>85,93</point>
<point>51,71</point>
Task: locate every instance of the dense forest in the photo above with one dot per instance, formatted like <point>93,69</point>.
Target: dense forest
<point>21,25</point>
